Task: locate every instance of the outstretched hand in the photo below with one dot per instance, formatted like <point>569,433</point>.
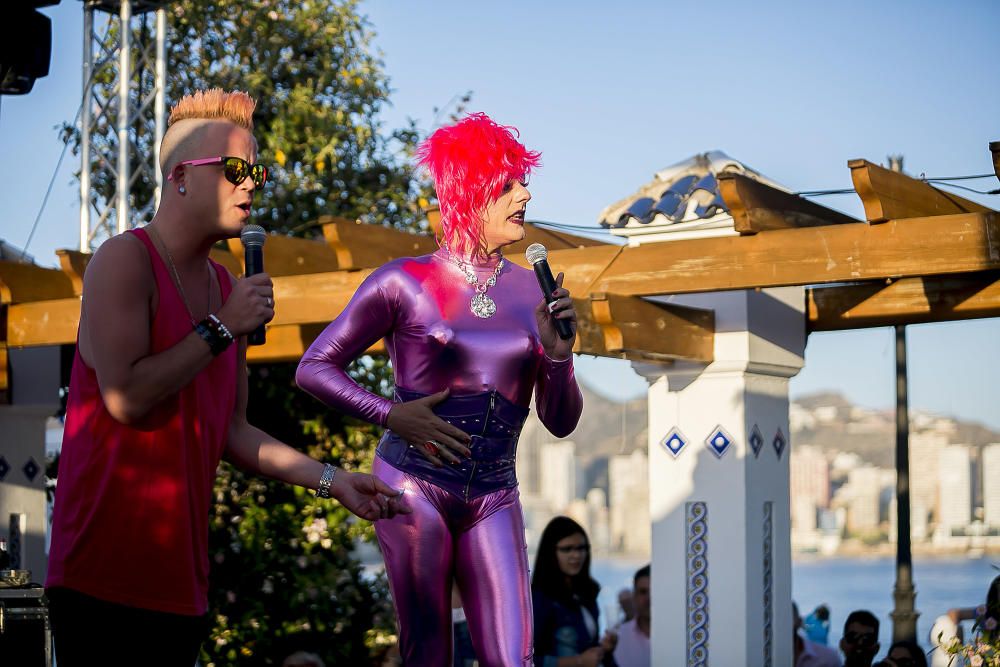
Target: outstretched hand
<point>547,313</point>
<point>367,496</point>
<point>436,439</point>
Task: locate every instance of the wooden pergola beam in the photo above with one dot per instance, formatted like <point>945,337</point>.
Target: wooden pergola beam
<point>26,282</point>
<point>49,322</point>
<point>288,256</point>
<point>361,246</point>
<point>907,301</point>
<point>815,255</point>
<point>890,195</point>
<point>611,325</point>
<point>758,207</point>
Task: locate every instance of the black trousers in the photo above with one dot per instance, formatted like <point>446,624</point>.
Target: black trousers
<point>88,631</point>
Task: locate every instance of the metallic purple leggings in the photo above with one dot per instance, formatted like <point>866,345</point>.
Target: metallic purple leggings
<point>478,542</point>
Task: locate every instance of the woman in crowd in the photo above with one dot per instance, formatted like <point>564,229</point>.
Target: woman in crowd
<point>564,598</point>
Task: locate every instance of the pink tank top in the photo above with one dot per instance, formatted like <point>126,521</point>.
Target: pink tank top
<point>130,523</point>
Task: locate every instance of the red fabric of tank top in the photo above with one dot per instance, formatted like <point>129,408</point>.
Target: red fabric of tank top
<point>130,523</point>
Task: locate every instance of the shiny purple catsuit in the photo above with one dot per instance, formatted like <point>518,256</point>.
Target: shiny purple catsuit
<point>466,522</point>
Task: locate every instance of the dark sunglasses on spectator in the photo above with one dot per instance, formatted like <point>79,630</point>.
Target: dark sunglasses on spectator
<point>861,638</point>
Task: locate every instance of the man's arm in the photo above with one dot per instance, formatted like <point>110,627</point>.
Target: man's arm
<point>115,334</point>
<point>254,450</point>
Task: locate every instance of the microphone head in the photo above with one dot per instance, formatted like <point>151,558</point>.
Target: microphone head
<point>253,235</point>
<point>536,253</point>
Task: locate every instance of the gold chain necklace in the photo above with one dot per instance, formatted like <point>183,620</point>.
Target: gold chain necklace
<point>177,279</point>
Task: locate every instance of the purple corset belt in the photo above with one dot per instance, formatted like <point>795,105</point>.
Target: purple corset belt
<point>494,424</point>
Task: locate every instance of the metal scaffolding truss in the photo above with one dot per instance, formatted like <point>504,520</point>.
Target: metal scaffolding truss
<point>123,115</point>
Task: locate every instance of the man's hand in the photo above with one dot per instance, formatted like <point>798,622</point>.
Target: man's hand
<point>436,439</point>
<point>250,304</point>
<point>546,314</point>
<point>367,496</point>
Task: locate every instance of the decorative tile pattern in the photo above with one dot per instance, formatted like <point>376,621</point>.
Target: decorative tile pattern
<point>674,441</point>
<point>756,441</point>
<point>4,468</point>
<point>719,441</point>
<point>696,514</point>
<point>31,469</point>
<point>768,581</point>
<point>779,443</point>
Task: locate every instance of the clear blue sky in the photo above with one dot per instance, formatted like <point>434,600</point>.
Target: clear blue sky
<point>612,92</point>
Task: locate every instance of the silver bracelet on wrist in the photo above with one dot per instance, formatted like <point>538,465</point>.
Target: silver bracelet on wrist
<point>325,481</point>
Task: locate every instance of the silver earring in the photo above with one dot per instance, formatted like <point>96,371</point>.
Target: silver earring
<point>181,189</point>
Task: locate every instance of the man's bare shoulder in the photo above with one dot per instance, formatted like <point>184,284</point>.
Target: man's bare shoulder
<point>122,258</point>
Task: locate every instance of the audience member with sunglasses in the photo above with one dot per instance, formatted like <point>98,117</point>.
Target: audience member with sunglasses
<point>157,396</point>
<point>860,642</point>
<point>564,598</point>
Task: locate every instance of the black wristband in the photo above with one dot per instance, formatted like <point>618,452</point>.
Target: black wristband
<point>211,335</point>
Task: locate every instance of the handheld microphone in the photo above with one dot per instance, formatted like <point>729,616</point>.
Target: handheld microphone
<point>538,258</point>
<point>253,237</point>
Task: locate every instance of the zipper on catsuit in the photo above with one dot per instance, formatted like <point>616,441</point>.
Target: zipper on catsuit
<point>486,422</point>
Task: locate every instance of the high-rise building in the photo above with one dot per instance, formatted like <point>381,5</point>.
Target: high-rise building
<point>862,492</point>
<point>991,485</point>
<point>628,487</point>
<point>809,481</point>
<point>557,474</point>
<point>955,487</point>
<point>925,450</point>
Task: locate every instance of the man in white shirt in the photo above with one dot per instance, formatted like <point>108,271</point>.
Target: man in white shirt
<point>632,649</point>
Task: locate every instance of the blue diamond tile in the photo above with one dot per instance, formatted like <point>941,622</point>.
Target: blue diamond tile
<point>4,468</point>
<point>674,441</point>
<point>719,441</point>
<point>31,469</point>
<point>756,441</point>
<point>779,443</point>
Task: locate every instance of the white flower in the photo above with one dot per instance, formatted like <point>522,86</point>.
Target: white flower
<point>976,661</point>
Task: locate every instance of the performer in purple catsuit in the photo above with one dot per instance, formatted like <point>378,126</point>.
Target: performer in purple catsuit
<point>470,339</point>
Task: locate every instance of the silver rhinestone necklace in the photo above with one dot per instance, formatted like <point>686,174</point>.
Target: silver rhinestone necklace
<point>482,305</point>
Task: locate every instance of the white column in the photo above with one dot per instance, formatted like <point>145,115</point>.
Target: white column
<point>719,490</point>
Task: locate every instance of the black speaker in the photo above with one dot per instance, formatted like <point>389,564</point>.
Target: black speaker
<point>25,45</point>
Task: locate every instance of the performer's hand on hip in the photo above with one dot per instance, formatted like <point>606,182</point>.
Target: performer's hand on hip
<point>436,439</point>
<point>250,304</point>
<point>546,314</point>
<point>367,496</point>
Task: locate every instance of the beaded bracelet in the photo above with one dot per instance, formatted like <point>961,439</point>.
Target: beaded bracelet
<point>325,481</point>
<point>216,339</point>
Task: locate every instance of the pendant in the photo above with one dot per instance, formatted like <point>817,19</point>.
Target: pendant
<point>483,306</point>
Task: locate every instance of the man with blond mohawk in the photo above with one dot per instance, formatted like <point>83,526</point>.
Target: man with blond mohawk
<point>158,395</point>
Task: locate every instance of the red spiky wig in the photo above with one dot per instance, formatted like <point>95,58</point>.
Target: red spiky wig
<point>471,162</point>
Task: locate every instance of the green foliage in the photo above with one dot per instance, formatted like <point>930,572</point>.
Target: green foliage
<point>284,577</point>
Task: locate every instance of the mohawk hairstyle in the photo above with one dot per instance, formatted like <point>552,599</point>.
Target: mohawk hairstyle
<point>471,162</point>
<point>215,104</point>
